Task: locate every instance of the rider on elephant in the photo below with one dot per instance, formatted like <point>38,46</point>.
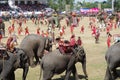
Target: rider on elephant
<point>72,41</point>
<point>10,44</point>
<point>64,46</point>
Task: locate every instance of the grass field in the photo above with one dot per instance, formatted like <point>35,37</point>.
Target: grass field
<point>96,65</point>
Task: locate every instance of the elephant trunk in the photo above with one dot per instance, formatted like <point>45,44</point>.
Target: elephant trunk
<point>84,68</point>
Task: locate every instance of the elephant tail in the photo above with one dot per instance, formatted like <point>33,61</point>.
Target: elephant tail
<point>41,66</point>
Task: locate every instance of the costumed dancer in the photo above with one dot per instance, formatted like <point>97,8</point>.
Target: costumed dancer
<point>26,30</point>
<point>19,30</point>
<point>109,40</point>
<point>38,30</point>
<point>82,29</point>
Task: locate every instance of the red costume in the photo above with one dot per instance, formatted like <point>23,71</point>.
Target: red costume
<point>107,29</point>
<point>79,42</point>
<point>61,32</point>
<point>9,44</point>
<point>19,30</point>
<point>9,30</point>
<point>82,29</point>
<point>93,31</point>
<point>108,41</point>
<point>0,36</point>
<point>26,31</point>
<point>13,27</point>
<point>72,41</point>
<point>72,28</point>
<point>38,31</point>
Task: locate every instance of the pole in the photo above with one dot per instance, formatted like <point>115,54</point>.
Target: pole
<point>113,5</point>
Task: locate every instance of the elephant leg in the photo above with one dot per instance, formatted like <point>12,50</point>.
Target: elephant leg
<point>112,70</point>
<point>32,62</point>
<point>74,71</point>
<point>40,53</point>
<point>108,74</point>
<point>84,69</point>
<point>25,71</point>
<point>70,67</point>
<point>47,74</point>
<point>11,76</point>
<point>67,76</point>
<point>31,58</point>
<point>37,59</point>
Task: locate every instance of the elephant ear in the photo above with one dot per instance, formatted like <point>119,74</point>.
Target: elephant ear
<point>81,53</point>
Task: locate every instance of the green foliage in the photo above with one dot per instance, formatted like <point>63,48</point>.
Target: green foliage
<point>90,5</point>
<point>117,5</point>
<point>60,4</point>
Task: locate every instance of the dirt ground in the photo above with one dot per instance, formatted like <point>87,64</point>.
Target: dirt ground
<point>96,65</point>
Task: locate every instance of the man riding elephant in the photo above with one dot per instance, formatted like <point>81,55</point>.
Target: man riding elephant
<point>64,46</point>
<point>56,63</point>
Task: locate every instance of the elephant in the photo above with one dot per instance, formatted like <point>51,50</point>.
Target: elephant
<point>55,21</point>
<point>56,63</point>
<point>11,62</point>
<point>34,46</point>
<point>112,58</point>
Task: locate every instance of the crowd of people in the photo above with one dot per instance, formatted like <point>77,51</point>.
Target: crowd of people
<point>24,7</point>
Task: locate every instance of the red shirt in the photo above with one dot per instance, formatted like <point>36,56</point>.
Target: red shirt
<point>9,41</point>
<point>72,41</point>
<point>108,39</point>
<point>38,31</point>
<point>79,42</point>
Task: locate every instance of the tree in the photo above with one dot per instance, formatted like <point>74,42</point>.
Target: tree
<point>60,4</point>
<point>117,5</point>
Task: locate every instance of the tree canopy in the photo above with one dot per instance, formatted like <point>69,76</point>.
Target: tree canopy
<point>61,4</point>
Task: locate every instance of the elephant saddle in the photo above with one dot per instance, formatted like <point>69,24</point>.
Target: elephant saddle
<point>65,50</point>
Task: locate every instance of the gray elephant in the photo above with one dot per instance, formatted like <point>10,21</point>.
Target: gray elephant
<point>34,46</point>
<point>56,63</point>
<point>11,62</point>
<point>113,61</point>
